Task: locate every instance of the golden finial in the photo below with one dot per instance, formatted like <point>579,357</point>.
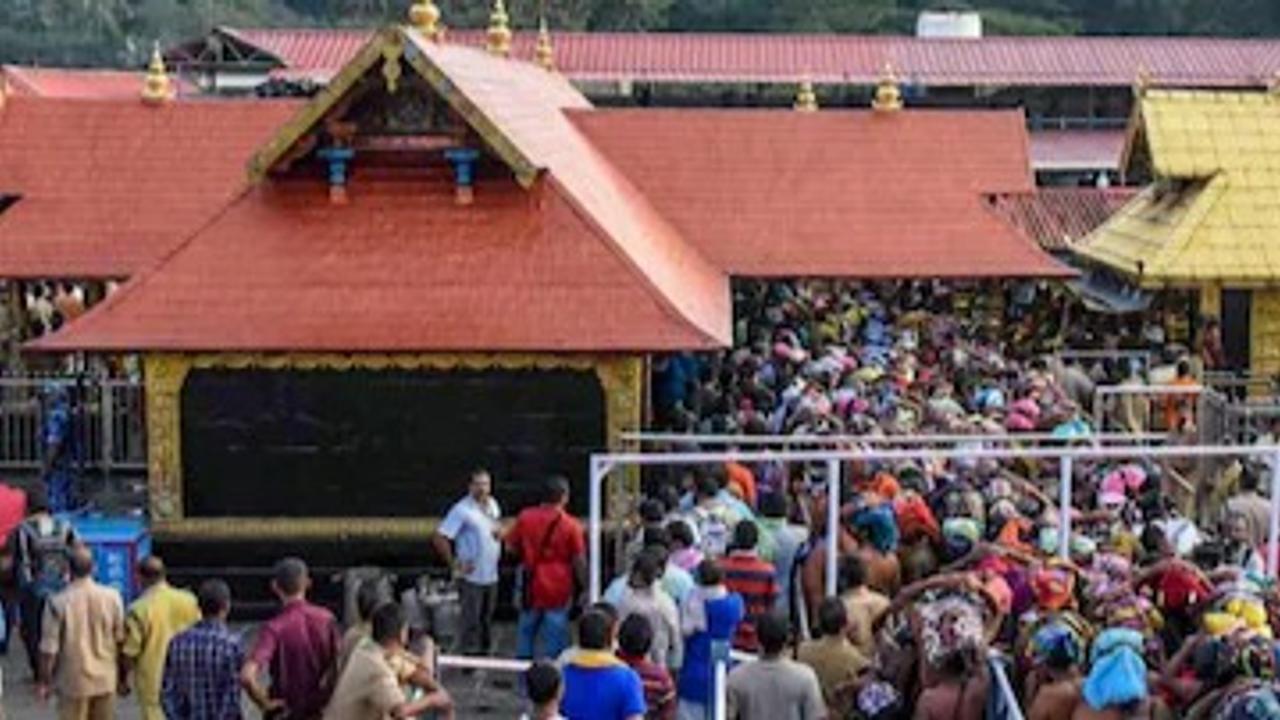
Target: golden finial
<point>424,16</point>
<point>1142,82</point>
<point>156,87</point>
<point>499,33</point>
<point>888,96</point>
<point>544,53</point>
<point>806,98</point>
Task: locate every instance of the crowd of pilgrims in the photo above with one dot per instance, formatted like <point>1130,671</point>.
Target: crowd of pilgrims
<point>950,573</point>
<point>1157,610</point>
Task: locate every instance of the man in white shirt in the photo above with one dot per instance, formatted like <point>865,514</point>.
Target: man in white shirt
<point>469,541</point>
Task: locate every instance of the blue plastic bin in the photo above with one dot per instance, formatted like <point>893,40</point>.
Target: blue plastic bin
<point>117,543</point>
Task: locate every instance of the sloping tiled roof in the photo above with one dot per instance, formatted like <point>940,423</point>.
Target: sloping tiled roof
<point>1058,217</point>
<point>577,262</point>
<point>1067,150</point>
<point>761,57</point>
<point>77,83</point>
<point>833,193</point>
<point>1213,213</point>
<point>107,186</point>
<point>400,268</point>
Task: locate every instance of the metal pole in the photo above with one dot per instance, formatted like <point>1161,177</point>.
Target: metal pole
<point>721,695</point>
<point>833,524</point>
<point>1002,680</point>
<point>1064,508</point>
<point>107,416</point>
<point>1273,547</point>
<point>596,488</point>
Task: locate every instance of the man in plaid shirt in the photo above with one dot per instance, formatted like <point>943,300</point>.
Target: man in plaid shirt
<point>202,668</point>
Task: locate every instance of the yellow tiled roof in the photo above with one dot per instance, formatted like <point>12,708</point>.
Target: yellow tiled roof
<point>1213,213</point>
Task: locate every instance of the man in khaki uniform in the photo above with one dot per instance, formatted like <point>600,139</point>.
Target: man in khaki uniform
<point>370,688</point>
<point>82,629</point>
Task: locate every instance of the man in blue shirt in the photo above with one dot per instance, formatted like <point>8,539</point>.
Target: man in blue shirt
<point>597,685</point>
<point>468,540</point>
<point>202,667</point>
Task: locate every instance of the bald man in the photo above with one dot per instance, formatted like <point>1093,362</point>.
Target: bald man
<point>161,612</point>
<point>82,628</point>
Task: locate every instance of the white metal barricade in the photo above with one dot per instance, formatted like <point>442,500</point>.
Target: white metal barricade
<point>601,464</point>
<point>995,661</point>
<point>1086,356</point>
<point>1096,438</point>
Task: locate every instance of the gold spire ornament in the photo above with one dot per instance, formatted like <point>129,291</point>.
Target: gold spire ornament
<point>544,53</point>
<point>806,98</point>
<point>499,32</point>
<point>424,16</point>
<point>156,87</point>
<point>888,95</point>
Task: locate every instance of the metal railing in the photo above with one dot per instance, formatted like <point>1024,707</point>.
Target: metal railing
<point>1153,397</point>
<point>106,417</point>
<point>1092,356</point>
<point>1076,122</point>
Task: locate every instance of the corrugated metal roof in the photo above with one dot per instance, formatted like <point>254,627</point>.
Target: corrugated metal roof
<point>77,83</point>
<point>1058,217</point>
<point>745,57</point>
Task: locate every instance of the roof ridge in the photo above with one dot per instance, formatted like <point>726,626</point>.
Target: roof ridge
<point>634,200</point>
<point>766,35</point>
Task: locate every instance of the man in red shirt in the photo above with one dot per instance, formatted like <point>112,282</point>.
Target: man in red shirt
<point>299,649</point>
<point>752,578</point>
<point>552,551</point>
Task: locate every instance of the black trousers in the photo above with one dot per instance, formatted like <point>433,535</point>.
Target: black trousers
<point>31,611</point>
<point>475,637</point>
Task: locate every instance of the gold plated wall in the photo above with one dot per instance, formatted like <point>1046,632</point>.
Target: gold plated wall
<point>620,377</point>
<point>1264,330</point>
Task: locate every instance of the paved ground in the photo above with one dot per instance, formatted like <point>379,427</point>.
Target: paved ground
<point>478,695</point>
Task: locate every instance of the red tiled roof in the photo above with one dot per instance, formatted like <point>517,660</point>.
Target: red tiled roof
<point>746,57</point>
<point>107,186</point>
<point>1076,149</point>
<point>1058,217</point>
<point>833,193</point>
<point>579,262</point>
<point>528,106</point>
<point>77,83</point>
<point>401,268</point>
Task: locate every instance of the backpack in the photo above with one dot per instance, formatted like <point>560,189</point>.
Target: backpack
<point>45,546</point>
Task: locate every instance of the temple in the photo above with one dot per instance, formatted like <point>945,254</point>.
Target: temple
<point>1204,227</point>
<point>449,257</point>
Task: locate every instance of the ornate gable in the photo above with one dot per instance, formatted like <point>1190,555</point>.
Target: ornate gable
<point>390,107</point>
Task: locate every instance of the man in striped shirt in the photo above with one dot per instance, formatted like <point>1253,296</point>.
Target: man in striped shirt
<point>634,640</point>
<point>752,578</point>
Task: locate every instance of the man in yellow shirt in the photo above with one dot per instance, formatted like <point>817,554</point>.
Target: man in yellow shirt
<point>154,618</point>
